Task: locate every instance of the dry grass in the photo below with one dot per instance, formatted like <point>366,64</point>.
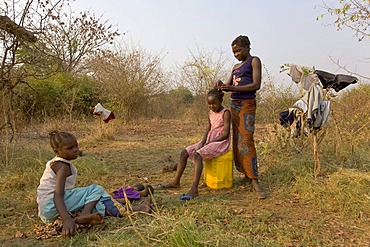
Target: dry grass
<point>332,210</point>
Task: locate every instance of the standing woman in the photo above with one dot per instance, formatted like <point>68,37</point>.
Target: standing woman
<point>243,83</point>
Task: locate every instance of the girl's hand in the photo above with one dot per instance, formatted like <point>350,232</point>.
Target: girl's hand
<point>208,142</point>
<point>202,144</point>
<point>69,228</point>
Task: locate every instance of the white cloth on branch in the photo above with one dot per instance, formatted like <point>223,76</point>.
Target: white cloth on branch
<point>107,115</point>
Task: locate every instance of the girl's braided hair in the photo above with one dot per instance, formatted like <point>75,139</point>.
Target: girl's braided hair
<point>57,138</point>
<point>241,40</point>
<point>216,93</point>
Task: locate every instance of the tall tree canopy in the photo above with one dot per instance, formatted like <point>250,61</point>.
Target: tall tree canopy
<point>41,37</point>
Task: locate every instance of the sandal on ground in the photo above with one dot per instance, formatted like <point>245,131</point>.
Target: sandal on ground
<point>184,197</point>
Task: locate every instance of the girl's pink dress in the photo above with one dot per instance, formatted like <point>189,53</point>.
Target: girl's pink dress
<point>213,149</point>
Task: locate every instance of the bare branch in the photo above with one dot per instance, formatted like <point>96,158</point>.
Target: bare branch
<point>10,26</point>
<point>344,67</point>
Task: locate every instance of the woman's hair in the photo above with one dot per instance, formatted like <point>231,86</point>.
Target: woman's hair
<point>241,40</point>
<point>216,93</point>
<point>57,138</point>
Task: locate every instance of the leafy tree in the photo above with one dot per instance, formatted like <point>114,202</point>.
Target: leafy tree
<point>130,78</point>
<point>180,100</point>
<point>352,14</point>
<point>19,23</point>
<point>183,94</point>
<point>55,96</point>
<point>199,74</point>
<point>69,39</point>
<point>38,38</point>
<point>65,40</point>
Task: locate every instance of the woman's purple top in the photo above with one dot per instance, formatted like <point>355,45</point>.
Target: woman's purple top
<point>243,76</point>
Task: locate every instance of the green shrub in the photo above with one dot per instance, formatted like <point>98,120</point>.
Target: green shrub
<point>61,94</point>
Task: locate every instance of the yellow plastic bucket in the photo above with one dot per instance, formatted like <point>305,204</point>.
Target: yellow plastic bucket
<point>218,172</point>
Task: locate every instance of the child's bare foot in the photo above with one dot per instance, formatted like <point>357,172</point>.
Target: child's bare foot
<point>144,206</point>
<point>193,193</point>
<point>148,191</point>
<point>167,186</point>
<point>93,219</point>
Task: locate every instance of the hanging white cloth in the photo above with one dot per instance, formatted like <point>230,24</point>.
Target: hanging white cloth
<point>303,76</point>
<point>107,115</point>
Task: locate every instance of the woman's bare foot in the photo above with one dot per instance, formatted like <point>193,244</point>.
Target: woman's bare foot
<point>244,181</point>
<point>257,188</point>
<point>93,219</point>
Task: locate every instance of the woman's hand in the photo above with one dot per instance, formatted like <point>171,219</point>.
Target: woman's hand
<point>227,88</point>
<point>218,84</point>
<point>69,228</point>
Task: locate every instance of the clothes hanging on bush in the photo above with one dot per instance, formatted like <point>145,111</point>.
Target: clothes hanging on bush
<point>337,82</point>
<point>311,105</point>
<point>305,76</point>
<point>99,110</point>
<point>316,110</point>
<point>294,120</point>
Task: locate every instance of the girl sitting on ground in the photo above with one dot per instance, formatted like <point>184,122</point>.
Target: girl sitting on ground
<point>57,196</point>
<point>215,142</point>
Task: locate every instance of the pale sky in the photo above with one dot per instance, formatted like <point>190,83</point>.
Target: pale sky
<point>281,32</point>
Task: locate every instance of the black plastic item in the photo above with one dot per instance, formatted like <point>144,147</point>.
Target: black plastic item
<point>337,82</point>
